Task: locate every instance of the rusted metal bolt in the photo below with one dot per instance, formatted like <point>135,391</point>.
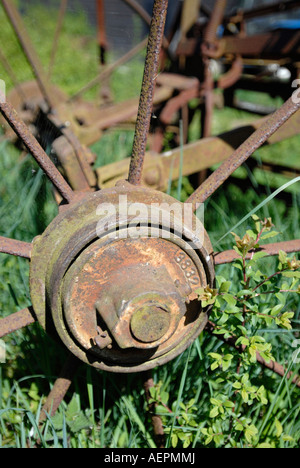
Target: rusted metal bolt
<point>103,340</point>
<point>150,323</point>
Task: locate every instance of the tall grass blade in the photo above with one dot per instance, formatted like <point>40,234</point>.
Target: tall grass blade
<point>179,398</point>
<point>137,420</point>
<point>261,205</point>
<point>179,188</point>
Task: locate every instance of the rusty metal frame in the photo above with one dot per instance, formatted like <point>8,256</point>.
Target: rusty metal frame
<point>255,141</point>
<point>281,6</point>
<point>239,49</point>
<point>242,153</point>
<point>124,111</point>
<point>197,156</point>
<point>86,122</point>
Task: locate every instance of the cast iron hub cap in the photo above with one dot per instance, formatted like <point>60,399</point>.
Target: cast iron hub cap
<point>121,297</point>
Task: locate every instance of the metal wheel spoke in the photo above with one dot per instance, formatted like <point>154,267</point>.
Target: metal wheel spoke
<point>102,39</point>
<point>272,365</point>
<point>156,420</point>
<point>255,141</point>
<point>35,149</point>
<point>216,20</point>
<point>147,93</point>
<point>15,247</point>
<point>16,321</point>
<point>60,388</point>
<point>106,73</point>
<point>229,256</point>
<point>29,51</point>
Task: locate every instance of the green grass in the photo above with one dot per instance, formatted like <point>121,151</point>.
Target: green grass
<point>101,409</point>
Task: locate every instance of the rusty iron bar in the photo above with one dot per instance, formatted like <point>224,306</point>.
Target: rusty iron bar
<point>229,256</point>
<point>25,42</point>
<point>146,100</point>
<point>109,69</point>
<point>278,369</point>
<point>208,98</point>
<point>233,75</point>
<point>82,153</point>
<point>216,20</point>
<point>60,388</point>
<point>16,321</point>
<point>15,247</point>
<point>199,155</point>
<point>210,36</point>
<point>102,39</point>
<point>275,45</point>
<point>272,365</point>
<point>255,141</point>
<point>158,428</point>
<point>35,149</point>
<point>281,7</point>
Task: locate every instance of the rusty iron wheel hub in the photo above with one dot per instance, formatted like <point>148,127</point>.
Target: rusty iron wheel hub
<point>119,301</point>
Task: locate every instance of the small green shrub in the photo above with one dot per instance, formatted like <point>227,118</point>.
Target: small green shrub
<point>240,309</point>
